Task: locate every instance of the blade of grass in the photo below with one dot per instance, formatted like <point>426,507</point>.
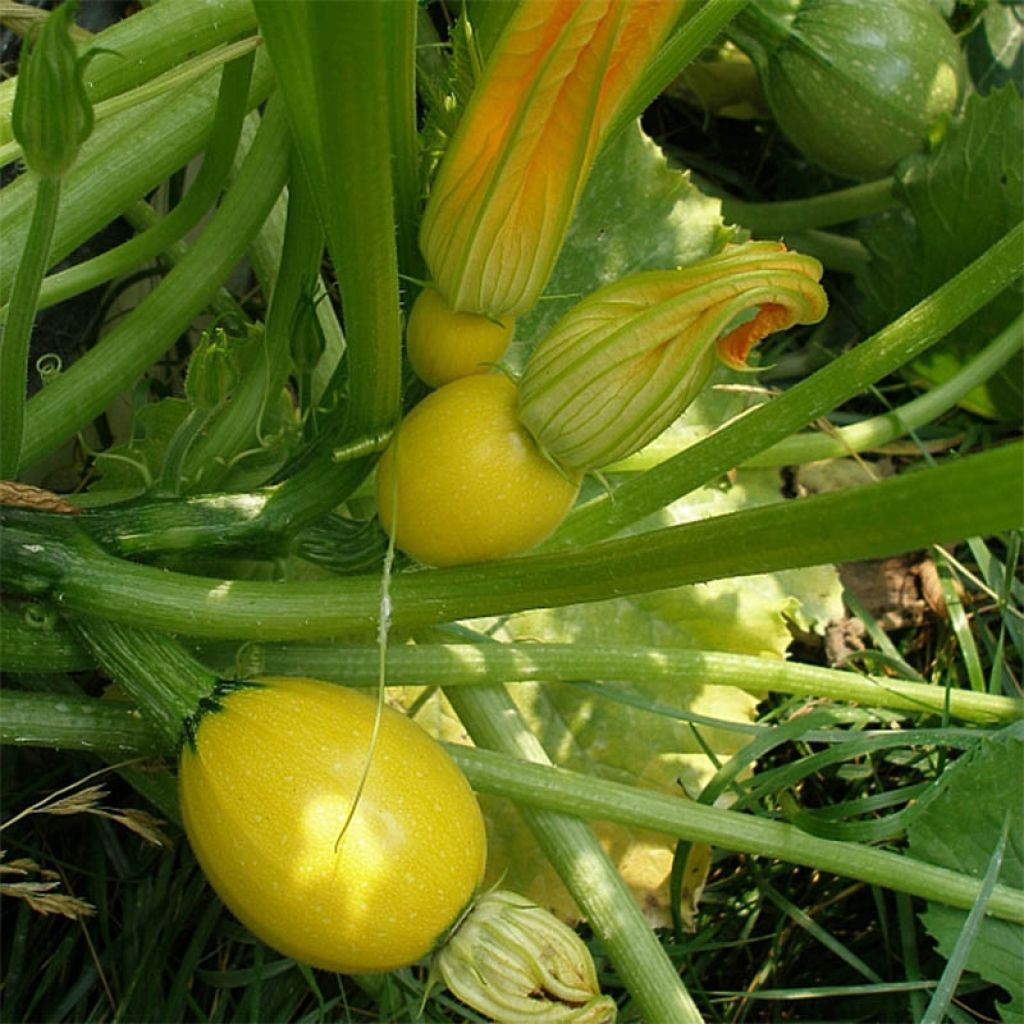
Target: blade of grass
<point>822,935</point>
<point>960,624</point>
<point>942,997</point>
<point>881,639</point>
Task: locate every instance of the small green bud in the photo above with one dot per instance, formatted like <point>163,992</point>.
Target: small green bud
<point>626,361</point>
<point>52,115</point>
<point>513,961</point>
<point>213,369</point>
<point>306,337</point>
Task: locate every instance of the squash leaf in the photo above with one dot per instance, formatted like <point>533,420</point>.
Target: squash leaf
<point>958,828</point>
<point>960,199</point>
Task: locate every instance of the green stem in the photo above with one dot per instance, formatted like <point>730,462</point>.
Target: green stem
<point>48,647</point>
<point>820,211</point>
<point>471,665</point>
<point>142,217</point>
<point>836,252</point>
<point>155,671</point>
<point>34,719</point>
<point>34,639</point>
<point>842,379</point>
<point>963,497</point>
<point>493,721</point>
<point>354,45</point>
<point>334,62</point>
<point>404,139</point>
<point>17,330</point>
<point>136,50</point>
<point>125,157</point>
<point>873,433</point>
<point>232,104</point>
<point>95,379</point>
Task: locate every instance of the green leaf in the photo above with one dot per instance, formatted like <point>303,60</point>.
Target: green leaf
<point>959,201</point>
<point>959,828</point>
<point>995,48</point>
<point>636,213</point>
<point>137,463</point>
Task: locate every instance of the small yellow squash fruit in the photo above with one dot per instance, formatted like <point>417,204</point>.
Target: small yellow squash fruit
<point>267,778</point>
<point>471,485</point>
<point>444,344</point>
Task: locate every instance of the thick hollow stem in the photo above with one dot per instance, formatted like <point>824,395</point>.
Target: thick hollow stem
<point>493,721</point>
<point>965,497</point>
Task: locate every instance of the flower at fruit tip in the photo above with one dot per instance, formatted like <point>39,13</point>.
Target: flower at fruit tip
<point>514,170</point>
<point>624,362</point>
<point>515,961</point>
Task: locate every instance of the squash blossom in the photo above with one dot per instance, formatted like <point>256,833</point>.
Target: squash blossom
<point>52,116</point>
<point>623,363</point>
<point>512,960</point>
<point>515,167</point>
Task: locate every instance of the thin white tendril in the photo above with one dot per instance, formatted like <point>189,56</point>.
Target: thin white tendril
<point>383,628</point>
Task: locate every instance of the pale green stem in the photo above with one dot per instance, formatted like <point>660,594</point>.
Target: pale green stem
<point>768,220</point>
<point>17,330</point>
<point>493,720</point>
<point>870,434</point>
<point>473,664</point>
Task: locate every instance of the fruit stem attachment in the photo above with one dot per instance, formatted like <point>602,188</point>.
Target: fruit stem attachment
<point>167,683</point>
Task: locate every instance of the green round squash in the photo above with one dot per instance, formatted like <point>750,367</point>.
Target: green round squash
<point>856,86</point>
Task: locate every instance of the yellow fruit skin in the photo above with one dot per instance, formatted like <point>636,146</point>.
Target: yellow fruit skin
<point>264,793</point>
<point>472,485</point>
<point>444,345</point>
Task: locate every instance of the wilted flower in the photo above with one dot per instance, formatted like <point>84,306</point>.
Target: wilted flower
<point>52,115</point>
<point>514,961</point>
<point>510,178</point>
<point>624,362</point>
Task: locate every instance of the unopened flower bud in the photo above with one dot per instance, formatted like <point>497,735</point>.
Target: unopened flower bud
<point>52,115</point>
<point>514,961</point>
<point>625,362</point>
